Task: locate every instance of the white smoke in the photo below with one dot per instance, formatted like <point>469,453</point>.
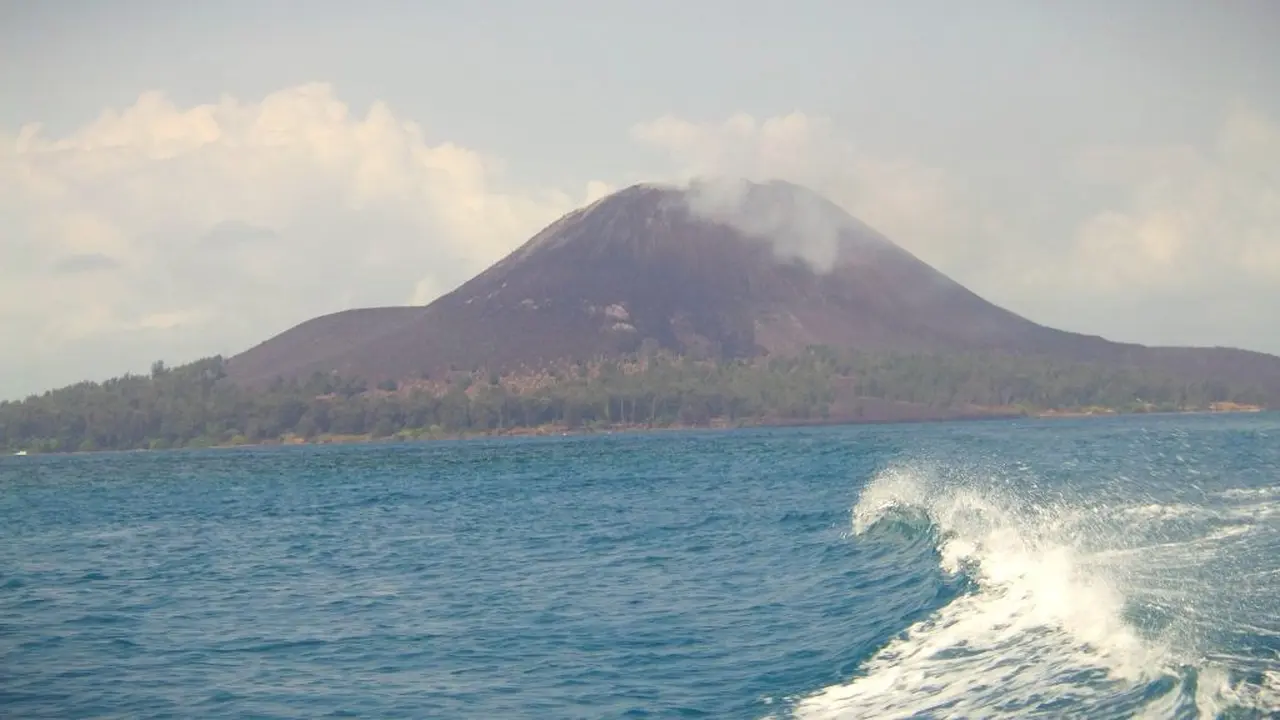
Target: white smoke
<point>798,223</point>
<point>914,205</point>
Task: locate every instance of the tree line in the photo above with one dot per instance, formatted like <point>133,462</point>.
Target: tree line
<point>197,405</point>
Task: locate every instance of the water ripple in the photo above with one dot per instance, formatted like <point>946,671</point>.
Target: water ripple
<point>675,575</point>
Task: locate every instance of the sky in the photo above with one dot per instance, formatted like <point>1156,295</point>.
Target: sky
<point>182,179</point>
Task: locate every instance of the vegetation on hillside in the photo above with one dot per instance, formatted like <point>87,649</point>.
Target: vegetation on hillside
<point>197,406</point>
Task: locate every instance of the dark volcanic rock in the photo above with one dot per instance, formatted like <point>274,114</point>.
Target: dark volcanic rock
<point>716,270</point>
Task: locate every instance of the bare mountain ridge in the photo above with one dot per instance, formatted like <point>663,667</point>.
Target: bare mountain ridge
<point>715,270</point>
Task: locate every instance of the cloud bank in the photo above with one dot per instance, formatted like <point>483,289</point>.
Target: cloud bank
<point>165,232</point>
<point>1186,217</point>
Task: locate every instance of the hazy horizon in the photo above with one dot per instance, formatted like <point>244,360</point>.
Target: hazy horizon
<point>183,180</point>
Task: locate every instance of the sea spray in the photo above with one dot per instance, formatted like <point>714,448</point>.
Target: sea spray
<point>1050,621</point>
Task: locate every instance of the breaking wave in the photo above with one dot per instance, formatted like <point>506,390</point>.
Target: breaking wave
<point>1074,607</point>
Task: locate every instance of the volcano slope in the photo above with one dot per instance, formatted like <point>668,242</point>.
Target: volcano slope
<point>712,270</point>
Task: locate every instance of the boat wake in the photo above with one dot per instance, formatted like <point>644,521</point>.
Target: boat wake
<point>1075,609</point>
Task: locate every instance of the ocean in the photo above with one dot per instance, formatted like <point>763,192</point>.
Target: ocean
<point>1090,568</point>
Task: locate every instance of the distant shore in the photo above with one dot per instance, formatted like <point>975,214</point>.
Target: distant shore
<point>1225,408</point>
<point>620,429</point>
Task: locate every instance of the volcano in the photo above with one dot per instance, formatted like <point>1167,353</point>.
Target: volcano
<point>716,270</point>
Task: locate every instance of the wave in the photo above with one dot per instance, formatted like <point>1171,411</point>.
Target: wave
<point>1073,609</point>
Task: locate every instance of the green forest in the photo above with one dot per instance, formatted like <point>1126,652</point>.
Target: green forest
<point>196,405</point>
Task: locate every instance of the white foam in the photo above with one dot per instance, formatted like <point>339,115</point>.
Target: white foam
<point>1048,620</point>
<point>1255,493</point>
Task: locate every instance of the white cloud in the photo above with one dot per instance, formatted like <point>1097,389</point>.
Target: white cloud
<point>1184,217</point>
<point>1185,247</point>
<point>208,228</point>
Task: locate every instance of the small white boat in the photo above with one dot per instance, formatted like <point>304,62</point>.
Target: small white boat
<point>20,453</point>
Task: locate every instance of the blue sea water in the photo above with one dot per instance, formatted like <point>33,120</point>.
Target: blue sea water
<point>1123,567</point>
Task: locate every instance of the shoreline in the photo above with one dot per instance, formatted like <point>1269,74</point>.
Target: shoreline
<point>722,425</point>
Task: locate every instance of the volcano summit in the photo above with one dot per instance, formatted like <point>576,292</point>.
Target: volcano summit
<point>718,270</point>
